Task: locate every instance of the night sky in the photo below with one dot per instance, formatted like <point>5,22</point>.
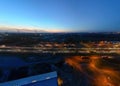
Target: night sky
<point>62,15</point>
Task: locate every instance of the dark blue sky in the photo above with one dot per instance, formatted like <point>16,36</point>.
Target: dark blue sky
<point>62,15</point>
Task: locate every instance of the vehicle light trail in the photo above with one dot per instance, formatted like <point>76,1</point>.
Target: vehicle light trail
<point>100,76</point>
<point>74,62</point>
<point>104,76</point>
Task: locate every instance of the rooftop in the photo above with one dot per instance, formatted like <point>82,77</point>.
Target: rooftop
<point>47,79</point>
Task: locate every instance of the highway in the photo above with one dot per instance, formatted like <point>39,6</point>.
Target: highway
<point>60,50</point>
